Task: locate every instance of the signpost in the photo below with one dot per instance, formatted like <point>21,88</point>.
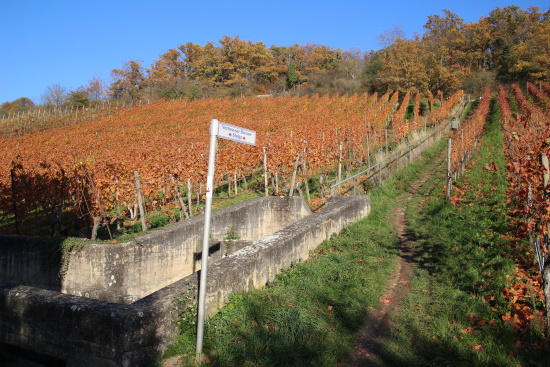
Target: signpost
<point>229,132</point>
<point>235,133</point>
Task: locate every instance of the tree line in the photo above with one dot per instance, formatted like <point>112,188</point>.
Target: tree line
<point>510,45</point>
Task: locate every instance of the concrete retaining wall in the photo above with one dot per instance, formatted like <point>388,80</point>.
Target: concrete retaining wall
<point>126,272</point>
<point>90,332</point>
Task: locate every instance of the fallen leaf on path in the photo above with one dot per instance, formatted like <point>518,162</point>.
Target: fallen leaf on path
<point>478,346</point>
<point>491,167</point>
<point>519,344</point>
<point>386,300</point>
<point>363,352</point>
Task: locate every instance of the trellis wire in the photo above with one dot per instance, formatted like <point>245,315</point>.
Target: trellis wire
<point>390,158</point>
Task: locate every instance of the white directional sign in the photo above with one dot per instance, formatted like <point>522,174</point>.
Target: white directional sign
<point>235,133</point>
<point>230,132</point>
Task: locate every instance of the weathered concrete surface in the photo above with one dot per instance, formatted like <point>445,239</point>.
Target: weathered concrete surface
<point>126,272</point>
<point>90,332</point>
<point>31,261</point>
<point>255,265</point>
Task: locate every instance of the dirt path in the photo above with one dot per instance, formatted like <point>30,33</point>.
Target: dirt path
<point>372,336</point>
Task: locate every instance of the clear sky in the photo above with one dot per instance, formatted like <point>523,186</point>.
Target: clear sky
<point>68,42</point>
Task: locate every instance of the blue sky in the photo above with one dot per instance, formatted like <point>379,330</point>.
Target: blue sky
<point>46,42</point>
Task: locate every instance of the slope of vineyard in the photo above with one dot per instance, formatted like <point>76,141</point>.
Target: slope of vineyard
<point>90,167</point>
<point>40,119</point>
<point>527,135</point>
<point>465,137</point>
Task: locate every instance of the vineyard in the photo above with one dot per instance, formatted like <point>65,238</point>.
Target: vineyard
<point>464,140</point>
<point>525,121</point>
<point>90,172</point>
<point>40,119</point>
<point>527,135</point>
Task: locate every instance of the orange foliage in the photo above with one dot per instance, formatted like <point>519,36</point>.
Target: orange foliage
<point>90,167</point>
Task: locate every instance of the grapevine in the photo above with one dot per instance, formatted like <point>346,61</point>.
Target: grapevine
<point>527,148</point>
<point>527,142</point>
<point>88,169</point>
<point>466,136</point>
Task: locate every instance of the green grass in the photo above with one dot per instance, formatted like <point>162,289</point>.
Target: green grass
<point>311,313</point>
<point>452,315</point>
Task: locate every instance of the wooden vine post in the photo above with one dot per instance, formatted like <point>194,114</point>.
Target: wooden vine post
<point>117,193</point>
<point>56,223</point>
<point>97,220</point>
<point>292,183</point>
<point>189,197</point>
<point>229,185</point>
<point>305,179</point>
<point>265,173</point>
<point>140,202</point>
<point>368,148</point>
<point>340,164</point>
<point>179,198</point>
<point>17,230</point>
<point>463,151</point>
<point>449,173</point>
<point>545,268</point>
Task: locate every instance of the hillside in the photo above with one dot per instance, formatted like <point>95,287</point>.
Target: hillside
<point>88,168</point>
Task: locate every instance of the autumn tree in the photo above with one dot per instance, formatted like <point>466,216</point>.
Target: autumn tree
<point>539,56</point>
<point>96,89</point>
<point>168,74</point>
<point>389,37</point>
<point>352,62</point>
<point>286,66</point>
<point>374,62</point>
<point>77,98</point>
<point>314,59</point>
<point>515,37</point>
<point>445,59</point>
<point>235,63</point>
<point>55,95</point>
<point>22,104</point>
<point>129,82</point>
<point>202,63</point>
<point>476,47</point>
<point>244,63</point>
<point>403,68</point>
<point>530,56</point>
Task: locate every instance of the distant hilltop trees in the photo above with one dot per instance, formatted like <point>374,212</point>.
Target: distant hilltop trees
<point>510,45</point>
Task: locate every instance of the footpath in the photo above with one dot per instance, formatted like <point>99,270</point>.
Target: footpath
<point>373,334</point>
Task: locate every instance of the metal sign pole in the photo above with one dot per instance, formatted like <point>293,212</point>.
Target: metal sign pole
<point>229,132</point>
<point>206,237</point>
